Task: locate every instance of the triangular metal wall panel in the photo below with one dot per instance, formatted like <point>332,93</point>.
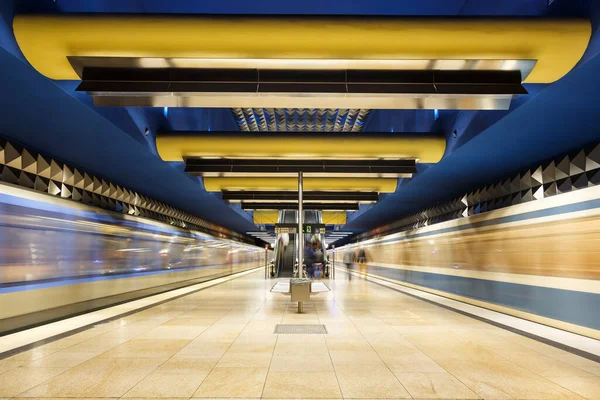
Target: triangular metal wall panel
<point>34,171</point>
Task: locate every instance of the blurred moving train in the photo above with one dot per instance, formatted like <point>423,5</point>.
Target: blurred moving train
<point>538,260</point>
<point>60,258</point>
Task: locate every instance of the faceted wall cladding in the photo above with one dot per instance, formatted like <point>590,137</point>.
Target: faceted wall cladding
<point>28,169</point>
<point>300,119</point>
<point>576,170</point>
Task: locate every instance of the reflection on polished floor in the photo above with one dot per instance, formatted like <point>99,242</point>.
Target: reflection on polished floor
<point>219,343</point>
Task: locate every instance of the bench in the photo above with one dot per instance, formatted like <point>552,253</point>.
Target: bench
<point>300,292</point>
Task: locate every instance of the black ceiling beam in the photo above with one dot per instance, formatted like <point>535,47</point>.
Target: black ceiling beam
<point>308,196</point>
<point>305,206</point>
<point>266,167</point>
<point>128,80</point>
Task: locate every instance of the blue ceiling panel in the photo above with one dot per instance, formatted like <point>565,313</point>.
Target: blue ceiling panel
<point>402,121</point>
<point>372,7</point>
<point>562,117</point>
<point>38,113</point>
<point>504,7</point>
<point>199,119</point>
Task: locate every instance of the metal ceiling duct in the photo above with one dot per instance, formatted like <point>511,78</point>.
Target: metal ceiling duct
<point>312,196</point>
<point>231,167</point>
<point>289,88</point>
<point>381,185</point>
<point>305,206</point>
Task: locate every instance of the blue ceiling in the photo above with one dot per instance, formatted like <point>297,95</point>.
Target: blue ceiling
<point>49,116</point>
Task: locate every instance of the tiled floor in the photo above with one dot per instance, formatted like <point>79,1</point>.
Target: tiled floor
<point>219,343</point>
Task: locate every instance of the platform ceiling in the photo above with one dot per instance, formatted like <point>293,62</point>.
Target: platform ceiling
<point>50,117</point>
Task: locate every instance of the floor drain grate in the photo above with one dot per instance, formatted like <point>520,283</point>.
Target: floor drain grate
<point>300,329</point>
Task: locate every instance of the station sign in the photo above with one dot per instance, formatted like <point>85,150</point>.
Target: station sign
<point>314,229</point>
<point>286,229</point>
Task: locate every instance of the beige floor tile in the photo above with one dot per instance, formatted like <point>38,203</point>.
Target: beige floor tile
<point>342,328</point>
<point>60,360</point>
<point>262,326</point>
<point>420,329</point>
<point>586,387</point>
<point>16,381</point>
<point>249,360</point>
<point>300,349</point>
<point>177,365</point>
<point>374,382</point>
<point>254,343</point>
<point>33,354</point>
<point>198,349</point>
<point>63,398</point>
<point>593,370</point>
<point>316,363</point>
<point>249,347</point>
<point>142,348</point>
<point>127,331</point>
<point>389,348</point>
<point>96,345</point>
<point>436,385</point>
<point>6,365</point>
<point>386,314</point>
<point>306,385</point>
<point>411,362</point>
<point>63,343</point>
<point>300,320</point>
<point>90,333</point>
<point>348,345</point>
<point>393,322</point>
<point>361,357</point>
<point>173,332</point>
<point>542,348</point>
<point>189,321</point>
<point>216,336</point>
<point>301,338</point>
<point>494,378</point>
<point>574,359</point>
<point>233,382</point>
<point>167,385</point>
<point>99,377</point>
<point>227,333</point>
<point>544,365</point>
<point>448,345</point>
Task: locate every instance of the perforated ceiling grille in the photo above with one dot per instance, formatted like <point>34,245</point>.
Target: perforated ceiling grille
<point>300,119</point>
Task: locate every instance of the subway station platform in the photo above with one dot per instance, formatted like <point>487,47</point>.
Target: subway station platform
<point>219,343</point>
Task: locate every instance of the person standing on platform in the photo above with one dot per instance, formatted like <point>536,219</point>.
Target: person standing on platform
<point>309,260</point>
<point>362,260</point>
<point>319,259</point>
<point>348,261</point>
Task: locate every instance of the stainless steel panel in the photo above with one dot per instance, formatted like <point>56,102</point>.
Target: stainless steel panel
<point>308,100</point>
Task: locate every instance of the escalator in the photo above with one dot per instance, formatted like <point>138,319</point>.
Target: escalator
<point>286,256</point>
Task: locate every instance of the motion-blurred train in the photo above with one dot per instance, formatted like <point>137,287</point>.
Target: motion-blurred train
<point>58,257</point>
<point>538,260</point>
